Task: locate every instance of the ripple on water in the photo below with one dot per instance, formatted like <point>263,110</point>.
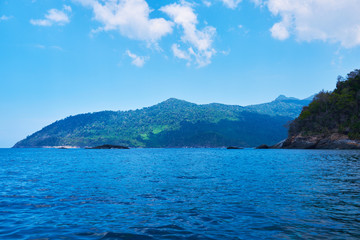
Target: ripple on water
<point>125,236</point>
<point>179,194</point>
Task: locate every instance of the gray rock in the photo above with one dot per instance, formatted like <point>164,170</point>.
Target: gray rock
<point>263,146</point>
<point>333,141</point>
<point>108,146</point>
<point>234,148</point>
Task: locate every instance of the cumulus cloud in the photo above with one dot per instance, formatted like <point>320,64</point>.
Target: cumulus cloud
<point>138,61</point>
<point>129,17</point>
<point>307,20</point>
<point>54,16</point>
<point>200,41</point>
<point>231,3</point>
<point>280,30</point>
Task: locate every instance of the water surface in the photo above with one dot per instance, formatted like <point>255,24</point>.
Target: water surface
<point>179,194</point>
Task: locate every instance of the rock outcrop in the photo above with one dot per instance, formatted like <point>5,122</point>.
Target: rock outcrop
<point>263,146</point>
<point>234,148</point>
<point>333,141</point>
<point>108,146</point>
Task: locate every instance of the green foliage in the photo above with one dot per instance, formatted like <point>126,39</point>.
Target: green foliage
<point>173,123</point>
<point>333,112</point>
<point>285,107</point>
<point>305,113</point>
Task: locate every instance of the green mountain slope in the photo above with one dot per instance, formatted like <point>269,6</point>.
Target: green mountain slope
<point>336,112</point>
<point>281,106</point>
<point>173,123</point>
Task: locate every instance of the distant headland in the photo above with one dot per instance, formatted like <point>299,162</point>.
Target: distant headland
<point>331,121</point>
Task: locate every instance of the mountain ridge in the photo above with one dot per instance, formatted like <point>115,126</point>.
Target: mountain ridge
<point>172,123</point>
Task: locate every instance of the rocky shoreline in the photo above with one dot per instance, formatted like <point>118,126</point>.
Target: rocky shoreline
<point>333,141</point>
<point>108,146</point>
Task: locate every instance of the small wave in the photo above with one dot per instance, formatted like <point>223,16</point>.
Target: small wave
<point>194,177</point>
<point>125,236</point>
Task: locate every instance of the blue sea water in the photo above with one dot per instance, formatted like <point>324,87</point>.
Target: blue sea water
<point>179,194</point>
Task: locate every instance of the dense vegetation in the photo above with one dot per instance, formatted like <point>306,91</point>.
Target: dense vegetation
<point>172,123</point>
<point>332,112</point>
<point>282,106</point>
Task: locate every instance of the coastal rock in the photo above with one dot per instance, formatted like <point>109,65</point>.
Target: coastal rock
<point>108,146</point>
<point>263,146</point>
<point>234,147</point>
<point>279,144</point>
<point>300,142</point>
<point>333,141</point>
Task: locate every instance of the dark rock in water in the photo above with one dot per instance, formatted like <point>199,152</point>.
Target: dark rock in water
<point>108,146</point>
<point>234,148</point>
<point>334,141</point>
<point>263,146</point>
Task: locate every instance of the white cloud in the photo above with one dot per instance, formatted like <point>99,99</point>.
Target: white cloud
<point>325,20</point>
<point>57,16</point>
<point>309,20</point>
<point>138,61</point>
<point>206,3</point>
<point>5,18</point>
<point>231,3</point>
<point>200,41</point>
<point>41,22</point>
<point>179,53</point>
<point>67,8</point>
<point>53,16</point>
<point>259,3</point>
<point>129,17</point>
<point>280,30</point>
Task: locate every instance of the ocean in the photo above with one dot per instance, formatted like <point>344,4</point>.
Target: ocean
<point>179,194</point>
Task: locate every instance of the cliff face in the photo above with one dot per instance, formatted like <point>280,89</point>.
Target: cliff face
<point>332,119</point>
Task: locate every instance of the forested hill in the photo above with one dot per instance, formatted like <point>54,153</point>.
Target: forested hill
<point>281,106</point>
<point>336,112</point>
<point>173,123</point>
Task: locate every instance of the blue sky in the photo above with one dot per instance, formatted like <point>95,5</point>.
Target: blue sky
<point>61,58</point>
